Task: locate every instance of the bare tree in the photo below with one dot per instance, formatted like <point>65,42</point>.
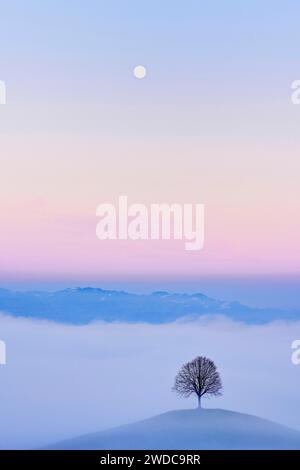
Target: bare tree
<point>199,377</point>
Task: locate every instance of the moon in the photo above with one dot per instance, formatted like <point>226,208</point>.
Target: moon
<point>139,71</point>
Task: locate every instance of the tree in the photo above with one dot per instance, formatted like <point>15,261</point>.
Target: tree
<point>199,377</point>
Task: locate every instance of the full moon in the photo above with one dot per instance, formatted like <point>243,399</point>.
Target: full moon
<point>139,71</point>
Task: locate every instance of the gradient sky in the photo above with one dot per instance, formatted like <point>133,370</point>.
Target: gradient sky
<point>211,123</point>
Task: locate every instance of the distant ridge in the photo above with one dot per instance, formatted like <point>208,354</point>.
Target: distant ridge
<point>82,305</point>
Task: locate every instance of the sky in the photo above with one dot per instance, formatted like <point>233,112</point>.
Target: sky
<point>212,123</point>
<point>61,381</point>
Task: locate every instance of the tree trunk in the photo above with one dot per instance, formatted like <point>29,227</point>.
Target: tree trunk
<point>199,401</point>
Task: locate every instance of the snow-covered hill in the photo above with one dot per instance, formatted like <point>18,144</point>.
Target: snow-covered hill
<point>191,429</point>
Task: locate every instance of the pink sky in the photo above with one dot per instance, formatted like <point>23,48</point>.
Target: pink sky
<point>53,184</point>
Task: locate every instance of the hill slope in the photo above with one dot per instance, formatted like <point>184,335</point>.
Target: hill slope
<point>191,429</point>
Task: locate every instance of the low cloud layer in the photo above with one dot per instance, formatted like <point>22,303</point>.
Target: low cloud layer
<point>62,381</point>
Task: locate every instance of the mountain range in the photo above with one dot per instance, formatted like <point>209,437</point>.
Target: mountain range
<point>82,305</point>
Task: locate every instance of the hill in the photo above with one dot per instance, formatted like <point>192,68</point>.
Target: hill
<point>191,429</point>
